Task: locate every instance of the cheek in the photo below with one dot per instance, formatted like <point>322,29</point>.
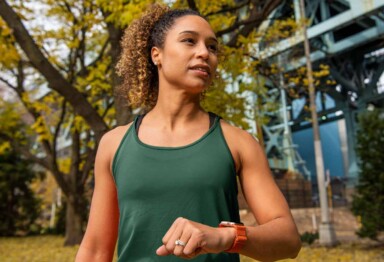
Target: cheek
<point>174,59</point>
<point>214,63</point>
<point>173,66</point>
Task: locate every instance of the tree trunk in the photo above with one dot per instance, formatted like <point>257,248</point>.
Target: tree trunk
<point>123,110</point>
<point>74,223</point>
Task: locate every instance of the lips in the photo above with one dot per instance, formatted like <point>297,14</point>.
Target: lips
<point>202,68</point>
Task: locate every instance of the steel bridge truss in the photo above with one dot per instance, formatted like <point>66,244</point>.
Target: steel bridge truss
<point>348,36</point>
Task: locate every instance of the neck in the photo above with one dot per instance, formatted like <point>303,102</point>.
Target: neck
<point>176,107</point>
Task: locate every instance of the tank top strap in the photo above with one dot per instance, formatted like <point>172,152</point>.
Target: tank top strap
<point>138,121</point>
<point>212,119</point>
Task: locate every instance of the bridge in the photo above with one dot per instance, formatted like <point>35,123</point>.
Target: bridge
<point>346,35</point>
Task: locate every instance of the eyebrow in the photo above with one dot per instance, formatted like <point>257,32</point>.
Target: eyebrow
<point>195,33</point>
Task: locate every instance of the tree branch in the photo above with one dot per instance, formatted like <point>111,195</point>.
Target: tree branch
<point>100,56</point>
<point>20,90</point>
<point>256,17</point>
<point>56,81</point>
<point>73,54</point>
<point>45,163</point>
<point>75,159</point>
<point>25,152</point>
<point>57,131</point>
<point>237,25</point>
<point>192,5</point>
<point>229,9</point>
<point>81,49</point>
<point>109,106</point>
<point>5,81</point>
<point>88,165</point>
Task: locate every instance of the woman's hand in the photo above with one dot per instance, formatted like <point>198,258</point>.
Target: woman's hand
<point>198,238</point>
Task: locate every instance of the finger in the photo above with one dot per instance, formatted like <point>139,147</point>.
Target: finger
<point>194,254</point>
<point>162,251</point>
<point>178,251</point>
<point>171,230</point>
<point>194,245</point>
<point>176,234</point>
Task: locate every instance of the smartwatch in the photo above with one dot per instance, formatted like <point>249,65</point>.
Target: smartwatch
<point>241,236</point>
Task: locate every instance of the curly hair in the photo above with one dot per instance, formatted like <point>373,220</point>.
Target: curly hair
<point>140,76</point>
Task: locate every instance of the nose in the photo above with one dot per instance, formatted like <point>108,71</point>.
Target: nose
<point>202,51</point>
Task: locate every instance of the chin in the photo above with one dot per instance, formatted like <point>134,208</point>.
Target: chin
<point>199,87</point>
<point>196,90</point>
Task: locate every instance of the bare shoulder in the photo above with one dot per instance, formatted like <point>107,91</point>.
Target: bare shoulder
<point>115,135</point>
<point>241,144</point>
<point>237,136</point>
<point>111,140</point>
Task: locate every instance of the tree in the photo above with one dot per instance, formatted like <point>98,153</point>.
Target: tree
<point>368,203</point>
<point>78,104</point>
<point>74,63</point>
<point>19,207</point>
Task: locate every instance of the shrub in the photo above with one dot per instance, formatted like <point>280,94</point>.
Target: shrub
<point>368,203</point>
<point>19,207</point>
<point>309,237</point>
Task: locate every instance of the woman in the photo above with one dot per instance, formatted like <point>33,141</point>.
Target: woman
<point>166,181</point>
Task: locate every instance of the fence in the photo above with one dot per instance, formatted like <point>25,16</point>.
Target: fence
<point>297,192</point>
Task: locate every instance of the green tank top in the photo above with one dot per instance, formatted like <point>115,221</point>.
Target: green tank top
<point>156,185</point>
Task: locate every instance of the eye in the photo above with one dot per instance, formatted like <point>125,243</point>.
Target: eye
<point>190,41</point>
<point>213,48</point>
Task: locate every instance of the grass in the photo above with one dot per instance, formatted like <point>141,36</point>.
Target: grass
<point>35,249</point>
<point>50,248</point>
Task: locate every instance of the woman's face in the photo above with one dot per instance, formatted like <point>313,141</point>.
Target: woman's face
<point>188,59</point>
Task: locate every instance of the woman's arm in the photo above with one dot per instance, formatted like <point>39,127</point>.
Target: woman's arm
<point>276,236</point>
<point>100,237</point>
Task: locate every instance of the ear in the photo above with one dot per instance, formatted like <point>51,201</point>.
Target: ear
<point>156,55</point>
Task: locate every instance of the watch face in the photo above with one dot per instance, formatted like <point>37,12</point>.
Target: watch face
<point>230,224</point>
<point>227,223</point>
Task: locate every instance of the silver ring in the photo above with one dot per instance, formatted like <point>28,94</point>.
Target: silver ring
<point>178,242</point>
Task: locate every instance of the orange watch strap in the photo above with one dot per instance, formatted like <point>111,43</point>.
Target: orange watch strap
<point>240,239</point>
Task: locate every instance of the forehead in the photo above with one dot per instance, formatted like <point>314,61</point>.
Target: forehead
<point>192,23</point>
